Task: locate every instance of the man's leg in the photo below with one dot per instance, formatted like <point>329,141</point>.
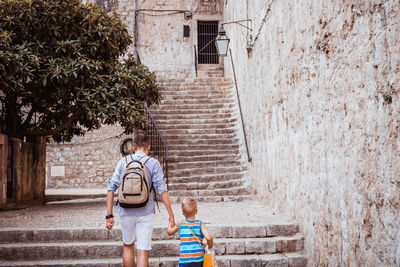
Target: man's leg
<point>144,229</point>
<point>128,229</point>
<point>142,258</point>
<point>128,257</point>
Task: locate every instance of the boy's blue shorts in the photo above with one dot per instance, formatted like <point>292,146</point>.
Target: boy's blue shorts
<point>191,264</point>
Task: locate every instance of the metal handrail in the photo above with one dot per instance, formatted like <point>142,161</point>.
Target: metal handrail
<point>240,108</point>
<point>158,146</point>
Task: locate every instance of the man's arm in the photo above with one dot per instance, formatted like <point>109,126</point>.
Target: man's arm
<point>113,185</point>
<point>109,204</point>
<point>159,183</point>
<point>167,202</point>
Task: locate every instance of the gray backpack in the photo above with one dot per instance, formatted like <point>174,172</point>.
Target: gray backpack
<point>134,189</point>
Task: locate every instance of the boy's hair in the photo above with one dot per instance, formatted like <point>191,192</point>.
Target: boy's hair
<point>126,147</point>
<point>189,207</point>
<point>141,140</point>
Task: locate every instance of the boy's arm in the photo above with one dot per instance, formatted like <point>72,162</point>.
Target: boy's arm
<point>207,236</point>
<point>172,229</point>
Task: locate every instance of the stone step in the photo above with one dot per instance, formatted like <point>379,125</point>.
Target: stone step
<point>202,164</point>
<point>194,153</point>
<point>202,91</point>
<point>174,121</point>
<point>195,111</point>
<point>233,191</point>
<point>158,116</point>
<point>53,235</point>
<point>201,171</point>
<point>198,131</point>
<point>278,260</point>
<point>213,199</point>
<point>198,106</point>
<point>223,147</point>
<point>160,248</point>
<point>198,84</point>
<point>177,95</point>
<point>198,126</point>
<point>210,142</point>
<point>195,158</point>
<point>196,101</point>
<point>207,178</point>
<point>203,185</point>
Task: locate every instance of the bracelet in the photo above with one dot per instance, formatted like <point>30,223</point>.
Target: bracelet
<point>109,216</point>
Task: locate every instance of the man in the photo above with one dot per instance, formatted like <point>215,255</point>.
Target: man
<point>138,222</point>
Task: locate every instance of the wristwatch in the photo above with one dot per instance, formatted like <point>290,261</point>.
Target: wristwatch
<point>109,216</point>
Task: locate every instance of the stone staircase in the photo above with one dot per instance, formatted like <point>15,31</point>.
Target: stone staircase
<point>274,244</point>
<point>198,118</point>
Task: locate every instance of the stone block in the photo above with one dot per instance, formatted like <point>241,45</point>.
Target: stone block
<point>220,247</point>
<point>282,229</point>
<point>220,231</point>
<point>274,260</point>
<point>260,245</point>
<point>235,247</point>
<point>249,231</point>
<point>223,262</point>
<point>296,260</point>
<point>252,261</point>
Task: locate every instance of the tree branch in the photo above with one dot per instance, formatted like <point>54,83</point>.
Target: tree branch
<point>28,118</point>
<point>61,127</point>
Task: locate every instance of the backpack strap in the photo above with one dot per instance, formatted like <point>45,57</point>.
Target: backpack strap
<point>143,161</point>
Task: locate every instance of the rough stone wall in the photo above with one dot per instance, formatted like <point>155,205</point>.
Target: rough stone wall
<point>86,162</point>
<point>320,94</point>
<point>162,46</point>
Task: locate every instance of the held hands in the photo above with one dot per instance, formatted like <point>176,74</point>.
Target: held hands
<point>172,227</point>
<point>109,223</point>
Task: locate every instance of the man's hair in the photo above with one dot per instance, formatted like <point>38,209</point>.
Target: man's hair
<point>141,140</point>
<point>126,147</point>
<point>189,207</point>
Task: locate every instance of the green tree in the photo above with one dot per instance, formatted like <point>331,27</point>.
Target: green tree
<point>64,70</point>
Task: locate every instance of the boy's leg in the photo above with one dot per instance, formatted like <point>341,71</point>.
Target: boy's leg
<point>128,257</point>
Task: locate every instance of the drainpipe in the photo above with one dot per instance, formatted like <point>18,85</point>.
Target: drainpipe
<point>137,30</point>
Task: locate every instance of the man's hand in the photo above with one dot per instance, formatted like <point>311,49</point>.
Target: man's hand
<point>109,223</point>
<point>171,221</point>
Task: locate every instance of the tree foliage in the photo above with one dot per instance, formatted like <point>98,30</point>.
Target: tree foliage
<point>64,70</point>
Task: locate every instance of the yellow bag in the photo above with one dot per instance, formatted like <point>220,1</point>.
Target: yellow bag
<point>208,260</point>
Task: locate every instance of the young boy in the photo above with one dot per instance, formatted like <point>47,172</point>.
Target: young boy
<point>191,234</point>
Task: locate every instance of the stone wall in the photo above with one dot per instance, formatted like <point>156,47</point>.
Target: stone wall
<point>85,162</point>
<point>320,96</point>
<point>162,46</point>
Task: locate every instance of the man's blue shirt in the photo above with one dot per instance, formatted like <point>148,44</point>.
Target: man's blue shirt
<point>156,177</point>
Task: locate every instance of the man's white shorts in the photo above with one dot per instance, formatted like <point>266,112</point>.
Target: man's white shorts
<point>140,227</point>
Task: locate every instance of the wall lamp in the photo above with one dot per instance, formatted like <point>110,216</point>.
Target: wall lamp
<point>222,41</point>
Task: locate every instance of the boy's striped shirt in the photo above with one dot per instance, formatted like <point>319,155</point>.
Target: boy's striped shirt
<point>190,250</point>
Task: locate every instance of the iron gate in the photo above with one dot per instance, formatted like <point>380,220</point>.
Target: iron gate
<point>207,31</point>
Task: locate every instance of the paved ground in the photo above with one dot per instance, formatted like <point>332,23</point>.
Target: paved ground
<point>90,214</point>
